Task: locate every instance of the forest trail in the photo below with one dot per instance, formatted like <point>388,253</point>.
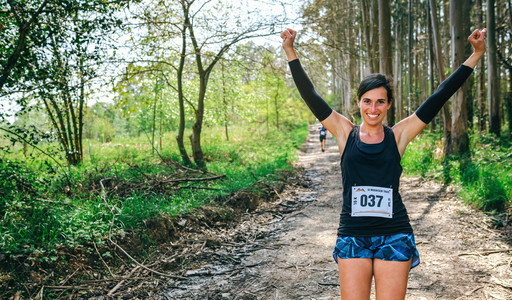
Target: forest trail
<point>287,253</point>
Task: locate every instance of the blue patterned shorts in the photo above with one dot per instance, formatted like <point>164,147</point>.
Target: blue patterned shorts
<point>396,247</point>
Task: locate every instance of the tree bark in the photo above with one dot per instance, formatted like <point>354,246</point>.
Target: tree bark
<point>386,56</point>
<point>493,84</point>
<point>430,61</point>
<point>480,74</point>
<point>153,126</point>
<point>370,15</point>
<point>460,137</point>
<point>447,122</point>
<point>409,58</point>
<point>181,129</point>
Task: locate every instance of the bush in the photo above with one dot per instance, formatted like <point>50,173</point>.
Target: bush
<point>483,175</point>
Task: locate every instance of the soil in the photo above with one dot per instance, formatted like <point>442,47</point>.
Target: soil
<point>283,250</point>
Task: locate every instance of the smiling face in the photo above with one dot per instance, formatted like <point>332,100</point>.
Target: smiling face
<point>374,105</point>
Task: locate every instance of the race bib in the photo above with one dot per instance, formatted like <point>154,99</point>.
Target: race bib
<point>372,201</point>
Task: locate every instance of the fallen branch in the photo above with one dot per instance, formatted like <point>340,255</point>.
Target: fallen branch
<point>143,266</point>
<point>195,187</point>
<point>119,284</point>
<point>69,287</point>
<point>468,293</point>
<point>328,284</point>
<point>194,179</point>
<point>210,273</point>
<point>501,282</point>
<point>103,197</point>
<point>97,252</point>
<point>487,252</point>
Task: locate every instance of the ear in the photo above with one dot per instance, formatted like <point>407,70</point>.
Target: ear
<point>390,102</point>
<point>358,102</point>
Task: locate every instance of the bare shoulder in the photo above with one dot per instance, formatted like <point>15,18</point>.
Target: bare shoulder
<point>338,125</point>
<point>406,130</point>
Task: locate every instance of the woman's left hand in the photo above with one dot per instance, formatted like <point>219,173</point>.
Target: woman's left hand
<point>477,40</point>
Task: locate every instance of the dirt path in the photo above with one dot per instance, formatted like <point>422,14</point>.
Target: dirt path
<point>284,250</point>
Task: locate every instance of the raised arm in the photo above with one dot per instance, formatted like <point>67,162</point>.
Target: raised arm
<point>410,127</point>
<point>331,120</point>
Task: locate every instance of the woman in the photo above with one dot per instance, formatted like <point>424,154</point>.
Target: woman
<point>323,136</point>
<point>375,238</point>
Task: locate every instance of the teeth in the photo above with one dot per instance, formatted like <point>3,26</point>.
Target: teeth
<point>372,116</point>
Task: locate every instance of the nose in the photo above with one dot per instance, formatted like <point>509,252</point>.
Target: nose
<point>372,107</point>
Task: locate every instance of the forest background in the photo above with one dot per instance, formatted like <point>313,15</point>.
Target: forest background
<point>115,114</point>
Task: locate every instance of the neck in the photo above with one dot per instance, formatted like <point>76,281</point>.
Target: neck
<point>372,129</point>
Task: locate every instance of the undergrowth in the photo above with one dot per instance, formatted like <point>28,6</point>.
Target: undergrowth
<point>483,175</point>
<point>40,210</point>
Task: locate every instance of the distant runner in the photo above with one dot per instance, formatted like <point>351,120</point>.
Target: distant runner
<point>375,237</point>
<point>323,136</point>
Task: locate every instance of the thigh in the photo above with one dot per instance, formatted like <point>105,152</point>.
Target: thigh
<point>355,278</point>
<point>391,278</point>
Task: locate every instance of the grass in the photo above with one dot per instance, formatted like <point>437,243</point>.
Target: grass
<point>40,211</point>
<point>483,176</point>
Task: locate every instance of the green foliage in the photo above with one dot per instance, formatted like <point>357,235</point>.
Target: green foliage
<point>41,211</point>
<point>483,176</point>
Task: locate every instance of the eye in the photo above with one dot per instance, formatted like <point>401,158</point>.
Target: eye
<point>381,101</point>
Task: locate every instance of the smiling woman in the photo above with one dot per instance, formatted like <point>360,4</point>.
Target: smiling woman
<point>375,237</point>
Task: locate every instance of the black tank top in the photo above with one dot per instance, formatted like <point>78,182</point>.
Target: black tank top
<point>376,165</point>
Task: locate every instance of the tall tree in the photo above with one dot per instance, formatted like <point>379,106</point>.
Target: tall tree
<point>370,26</point>
<point>179,73</point>
<point>385,53</point>
<point>460,137</point>
<point>447,122</point>
<point>162,48</point>
<point>480,74</point>
<point>410,26</point>
<point>493,83</point>
<point>219,37</point>
<point>506,60</point>
<point>62,46</point>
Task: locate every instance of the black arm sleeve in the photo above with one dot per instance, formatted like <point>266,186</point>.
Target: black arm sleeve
<point>318,106</point>
<point>428,110</point>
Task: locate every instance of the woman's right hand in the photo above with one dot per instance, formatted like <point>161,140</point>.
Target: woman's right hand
<point>288,37</point>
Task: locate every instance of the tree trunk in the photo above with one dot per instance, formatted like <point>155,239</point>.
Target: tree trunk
<point>509,98</point>
<point>385,54</point>
<point>374,33</point>
<point>430,62</point>
<point>460,137</point>
<point>195,138</point>
<point>509,102</point>
<point>397,72</point>
<point>276,104</point>
<point>470,82</point>
<point>493,84</point>
<point>81,109</point>
<point>480,74</point>
<point>64,118</point>
<point>369,13</point>
<point>153,126</point>
<point>225,102</point>
<point>409,58</point>
<point>181,98</point>
<point>447,122</point>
